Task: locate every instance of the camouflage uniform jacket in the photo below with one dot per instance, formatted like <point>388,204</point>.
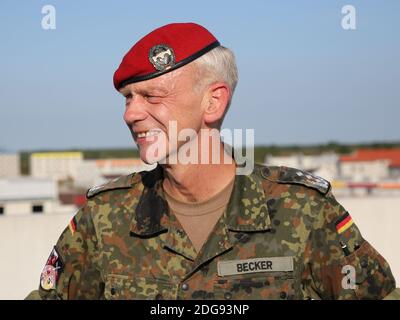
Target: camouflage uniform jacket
<point>281,237</point>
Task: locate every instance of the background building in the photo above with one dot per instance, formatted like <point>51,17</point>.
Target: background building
<point>90,173</point>
<point>324,165</point>
<point>9,165</point>
<point>24,196</point>
<point>55,165</point>
<point>371,165</point>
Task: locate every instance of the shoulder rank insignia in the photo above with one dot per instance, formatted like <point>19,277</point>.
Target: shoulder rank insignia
<point>295,176</point>
<point>123,182</point>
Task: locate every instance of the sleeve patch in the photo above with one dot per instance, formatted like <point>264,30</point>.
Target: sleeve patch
<point>344,223</point>
<point>51,271</point>
<point>72,226</point>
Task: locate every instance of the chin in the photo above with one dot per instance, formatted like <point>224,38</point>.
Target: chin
<point>150,159</point>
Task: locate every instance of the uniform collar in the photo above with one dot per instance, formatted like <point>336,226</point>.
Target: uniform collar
<point>151,214</point>
<point>246,211</point>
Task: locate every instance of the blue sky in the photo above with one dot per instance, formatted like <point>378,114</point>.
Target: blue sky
<point>302,78</point>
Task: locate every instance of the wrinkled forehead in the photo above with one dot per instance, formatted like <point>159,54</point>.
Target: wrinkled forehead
<point>182,76</point>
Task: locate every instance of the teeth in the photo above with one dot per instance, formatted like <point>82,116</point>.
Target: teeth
<point>148,133</point>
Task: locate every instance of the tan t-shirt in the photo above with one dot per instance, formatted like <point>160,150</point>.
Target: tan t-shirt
<point>199,218</point>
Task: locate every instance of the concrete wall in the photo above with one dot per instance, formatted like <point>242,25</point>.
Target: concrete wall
<point>26,241</point>
<point>25,245</point>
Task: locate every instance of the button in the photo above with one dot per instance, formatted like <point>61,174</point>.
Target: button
<point>283,295</point>
<point>364,263</point>
<point>271,202</point>
<point>205,269</point>
<point>185,287</point>
<point>265,173</point>
<point>159,296</point>
<point>113,291</point>
<point>228,295</point>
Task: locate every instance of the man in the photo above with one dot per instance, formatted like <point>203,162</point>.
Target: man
<point>198,230</point>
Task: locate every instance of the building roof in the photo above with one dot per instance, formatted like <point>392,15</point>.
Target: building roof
<point>8,153</point>
<point>365,155</point>
<point>22,188</point>
<point>73,154</point>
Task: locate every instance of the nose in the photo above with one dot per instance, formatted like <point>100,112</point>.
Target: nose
<point>135,110</point>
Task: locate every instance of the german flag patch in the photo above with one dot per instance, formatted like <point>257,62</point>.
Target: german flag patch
<point>344,223</point>
<point>72,226</point>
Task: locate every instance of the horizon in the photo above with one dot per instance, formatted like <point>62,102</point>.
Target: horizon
<point>367,144</point>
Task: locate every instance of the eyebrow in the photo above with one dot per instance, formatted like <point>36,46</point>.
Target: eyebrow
<point>124,91</point>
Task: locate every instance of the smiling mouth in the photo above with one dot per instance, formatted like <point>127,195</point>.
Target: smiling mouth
<point>149,133</point>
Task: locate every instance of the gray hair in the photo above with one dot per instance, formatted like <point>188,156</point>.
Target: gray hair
<point>218,65</point>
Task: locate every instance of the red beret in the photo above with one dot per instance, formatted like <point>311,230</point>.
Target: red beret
<point>163,50</point>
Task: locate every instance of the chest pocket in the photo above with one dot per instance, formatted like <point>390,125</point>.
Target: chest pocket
<point>267,285</point>
<point>121,287</point>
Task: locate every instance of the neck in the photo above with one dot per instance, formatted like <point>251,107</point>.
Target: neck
<point>199,182</point>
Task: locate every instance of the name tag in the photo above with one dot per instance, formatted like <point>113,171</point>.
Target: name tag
<point>232,267</point>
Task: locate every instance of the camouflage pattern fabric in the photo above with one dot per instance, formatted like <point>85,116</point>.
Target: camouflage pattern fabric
<point>394,295</point>
<point>124,244</point>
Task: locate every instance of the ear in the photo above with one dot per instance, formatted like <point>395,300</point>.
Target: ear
<point>216,101</point>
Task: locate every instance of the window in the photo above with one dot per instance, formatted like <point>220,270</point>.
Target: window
<point>1,210</point>
<point>37,208</point>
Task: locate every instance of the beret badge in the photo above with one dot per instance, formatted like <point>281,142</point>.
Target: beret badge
<point>162,57</point>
